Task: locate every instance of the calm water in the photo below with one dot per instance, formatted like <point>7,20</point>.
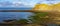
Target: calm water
<point>14,15</point>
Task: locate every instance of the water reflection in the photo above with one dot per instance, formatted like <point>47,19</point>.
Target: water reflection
<point>13,15</point>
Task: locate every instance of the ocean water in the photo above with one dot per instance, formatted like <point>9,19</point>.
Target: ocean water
<point>14,15</point>
<point>15,8</point>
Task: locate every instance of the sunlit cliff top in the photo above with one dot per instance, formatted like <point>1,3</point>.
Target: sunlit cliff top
<point>46,7</point>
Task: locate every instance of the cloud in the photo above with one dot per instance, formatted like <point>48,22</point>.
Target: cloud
<point>25,3</point>
<point>21,3</point>
<point>51,2</point>
<point>16,4</point>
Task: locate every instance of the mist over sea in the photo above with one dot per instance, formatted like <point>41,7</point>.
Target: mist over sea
<point>13,15</point>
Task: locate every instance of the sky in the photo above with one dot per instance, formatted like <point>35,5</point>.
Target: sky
<point>25,3</point>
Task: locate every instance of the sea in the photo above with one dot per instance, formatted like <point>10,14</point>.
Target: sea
<point>14,15</point>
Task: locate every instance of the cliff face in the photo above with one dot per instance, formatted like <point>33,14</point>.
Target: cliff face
<point>46,7</point>
<point>54,11</point>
